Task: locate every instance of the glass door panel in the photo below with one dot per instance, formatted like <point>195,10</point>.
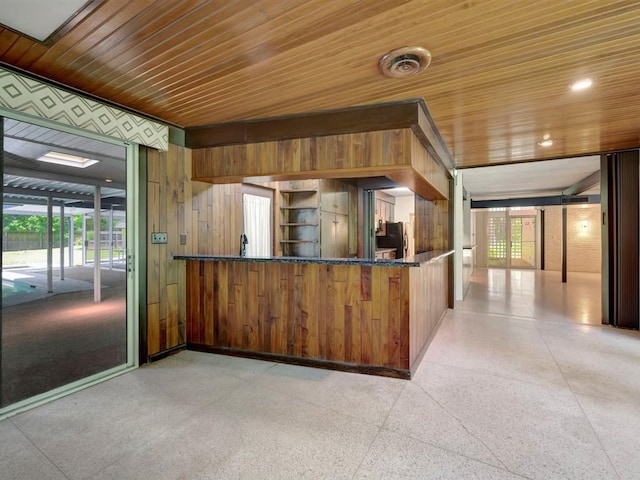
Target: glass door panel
<point>523,242</point>
<point>511,240</point>
<point>515,242</point>
<point>528,242</point>
<point>63,313</point>
<point>497,241</point>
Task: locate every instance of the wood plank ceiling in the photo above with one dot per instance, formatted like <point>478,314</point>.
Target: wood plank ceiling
<point>497,84</point>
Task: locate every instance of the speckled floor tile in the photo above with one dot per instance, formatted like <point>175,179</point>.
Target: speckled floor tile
<point>510,388</point>
<point>534,431</point>
<point>597,360</point>
<point>253,433</point>
<point>29,464</point>
<point>87,431</point>
<point>418,415</point>
<point>496,345</point>
<point>393,456</point>
<point>618,428</point>
<point>371,396</point>
<point>11,440</point>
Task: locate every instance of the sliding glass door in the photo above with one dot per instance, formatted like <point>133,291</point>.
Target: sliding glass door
<point>512,238</point>
<point>64,260</point>
<point>498,242</point>
<point>522,244</point>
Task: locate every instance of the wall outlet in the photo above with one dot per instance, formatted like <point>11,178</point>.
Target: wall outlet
<point>159,237</point>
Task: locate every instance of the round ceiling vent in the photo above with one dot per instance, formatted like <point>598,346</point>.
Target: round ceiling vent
<point>405,61</point>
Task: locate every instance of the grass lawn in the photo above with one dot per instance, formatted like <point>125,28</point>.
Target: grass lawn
<point>39,257</point>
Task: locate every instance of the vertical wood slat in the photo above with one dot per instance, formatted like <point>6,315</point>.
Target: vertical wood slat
<point>154,313</point>
<point>363,315</point>
<point>303,155</point>
<point>431,224</point>
<point>428,294</point>
<point>209,207</point>
<point>193,312</point>
<point>424,163</point>
<point>397,154</point>
<point>210,218</point>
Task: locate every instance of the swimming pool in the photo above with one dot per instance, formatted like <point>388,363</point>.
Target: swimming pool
<point>12,288</point>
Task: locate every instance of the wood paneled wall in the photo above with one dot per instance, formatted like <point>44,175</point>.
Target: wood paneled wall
<point>288,159</point>
<point>208,220</point>
<point>208,217</point>
<point>429,301</point>
<point>397,154</point>
<point>378,318</point>
<point>341,313</point>
<point>432,224</point>
<point>429,168</point>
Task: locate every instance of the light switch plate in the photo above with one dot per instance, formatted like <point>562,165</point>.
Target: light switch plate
<point>159,237</point>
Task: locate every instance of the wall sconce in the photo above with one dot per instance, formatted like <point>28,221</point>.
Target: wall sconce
<point>583,228</point>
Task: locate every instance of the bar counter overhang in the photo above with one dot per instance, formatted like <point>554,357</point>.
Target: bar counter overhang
<point>362,315</point>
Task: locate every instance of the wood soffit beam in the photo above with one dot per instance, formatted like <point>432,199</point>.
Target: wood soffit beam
<point>401,175</point>
<point>367,172</point>
<point>412,114</point>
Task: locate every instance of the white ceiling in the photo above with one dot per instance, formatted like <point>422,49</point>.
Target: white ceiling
<point>29,182</point>
<point>37,18</point>
<point>533,179</point>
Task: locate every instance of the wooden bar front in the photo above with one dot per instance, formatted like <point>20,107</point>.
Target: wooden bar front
<point>348,315</point>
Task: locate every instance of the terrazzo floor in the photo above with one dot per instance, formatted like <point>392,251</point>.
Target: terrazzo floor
<point>520,382</point>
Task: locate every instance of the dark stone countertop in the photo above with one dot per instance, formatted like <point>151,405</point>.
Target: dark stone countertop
<point>412,261</point>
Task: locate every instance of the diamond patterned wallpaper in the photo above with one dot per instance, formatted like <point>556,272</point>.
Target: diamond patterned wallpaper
<point>26,95</point>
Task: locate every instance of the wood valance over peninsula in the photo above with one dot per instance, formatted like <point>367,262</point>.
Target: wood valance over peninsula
<point>395,140</point>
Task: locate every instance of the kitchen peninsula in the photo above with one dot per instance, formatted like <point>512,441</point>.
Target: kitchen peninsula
<point>369,316</point>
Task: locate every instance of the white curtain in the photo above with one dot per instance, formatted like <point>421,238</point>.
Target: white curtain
<point>257,225</point>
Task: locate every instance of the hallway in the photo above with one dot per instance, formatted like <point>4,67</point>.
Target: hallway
<point>512,387</point>
<point>535,294</point>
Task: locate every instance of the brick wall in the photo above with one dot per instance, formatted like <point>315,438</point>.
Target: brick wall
<point>553,238</point>
<point>583,238</point>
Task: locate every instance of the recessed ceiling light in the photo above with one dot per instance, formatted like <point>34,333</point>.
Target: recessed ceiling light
<point>546,143</point>
<point>108,180</point>
<point>67,160</point>
<point>582,84</point>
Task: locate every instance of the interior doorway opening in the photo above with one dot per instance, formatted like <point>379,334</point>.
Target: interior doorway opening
<point>257,221</point>
<point>512,238</point>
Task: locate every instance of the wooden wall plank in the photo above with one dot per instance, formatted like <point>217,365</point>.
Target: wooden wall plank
<point>428,167</point>
<point>172,335</point>
<point>318,311</point>
<point>354,155</point>
<point>208,217</point>
<point>396,153</point>
<point>153,254</point>
<point>153,328</point>
<point>431,224</point>
<point>349,329</point>
<point>428,293</point>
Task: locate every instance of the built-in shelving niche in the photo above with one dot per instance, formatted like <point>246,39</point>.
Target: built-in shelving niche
<point>300,218</point>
